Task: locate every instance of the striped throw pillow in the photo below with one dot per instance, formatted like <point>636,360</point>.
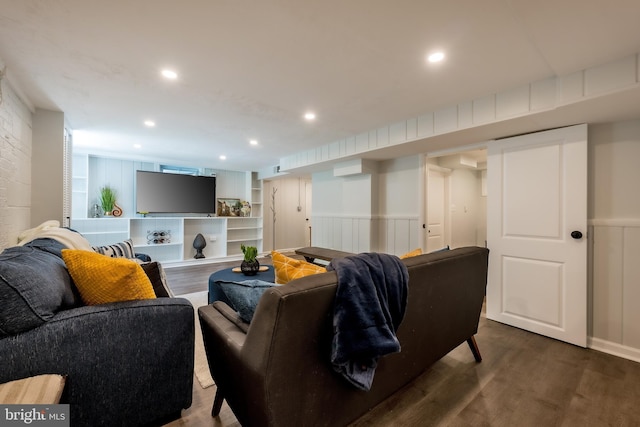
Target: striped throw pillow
<point>119,250</point>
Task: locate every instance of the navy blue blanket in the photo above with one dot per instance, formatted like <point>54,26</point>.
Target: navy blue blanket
<point>370,302</point>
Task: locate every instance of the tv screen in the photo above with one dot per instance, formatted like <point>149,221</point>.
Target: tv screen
<point>158,192</point>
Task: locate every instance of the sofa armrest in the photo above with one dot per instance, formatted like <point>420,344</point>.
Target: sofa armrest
<point>312,253</point>
<point>126,363</point>
<point>279,349</point>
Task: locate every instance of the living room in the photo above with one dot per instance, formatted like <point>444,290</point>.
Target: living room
<point>367,190</point>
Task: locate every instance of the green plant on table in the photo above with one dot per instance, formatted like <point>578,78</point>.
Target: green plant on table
<point>107,198</point>
<point>250,253</point>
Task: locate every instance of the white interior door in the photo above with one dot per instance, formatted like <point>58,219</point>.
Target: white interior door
<point>536,230</point>
<point>436,215</point>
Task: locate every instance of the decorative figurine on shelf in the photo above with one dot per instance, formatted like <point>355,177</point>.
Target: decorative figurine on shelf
<point>199,244</point>
<point>245,211</point>
<point>117,210</point>
<point>250,265</point>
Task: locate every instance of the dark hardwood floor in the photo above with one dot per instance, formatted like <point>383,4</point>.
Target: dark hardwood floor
<point>524,380</point>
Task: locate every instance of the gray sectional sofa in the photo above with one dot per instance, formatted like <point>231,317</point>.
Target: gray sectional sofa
<point>126,363</point>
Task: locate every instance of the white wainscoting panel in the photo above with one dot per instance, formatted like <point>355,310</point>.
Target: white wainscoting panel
<point>398,235</point>
<point>616,287</point>
<point>393,235</point>
<point>350,234</point>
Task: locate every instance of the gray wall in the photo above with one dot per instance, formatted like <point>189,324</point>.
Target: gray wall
<point>47,173</point>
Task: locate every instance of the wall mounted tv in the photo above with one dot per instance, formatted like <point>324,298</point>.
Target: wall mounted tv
<point>158,192</point>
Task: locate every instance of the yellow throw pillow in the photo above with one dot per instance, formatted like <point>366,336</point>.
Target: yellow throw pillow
<point>101,279</point>
<point>414,252</point>
<point>287,268</point>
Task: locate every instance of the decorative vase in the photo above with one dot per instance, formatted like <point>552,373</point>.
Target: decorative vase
<point>250,268</point>
<point>199,244</point>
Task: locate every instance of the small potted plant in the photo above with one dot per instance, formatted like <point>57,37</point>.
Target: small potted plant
<point>250,265</point>
<point>107,199</point>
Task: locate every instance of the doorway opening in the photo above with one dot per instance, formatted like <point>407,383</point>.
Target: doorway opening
<point>456,199</point>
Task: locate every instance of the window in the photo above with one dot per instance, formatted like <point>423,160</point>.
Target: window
<point>179,170</point>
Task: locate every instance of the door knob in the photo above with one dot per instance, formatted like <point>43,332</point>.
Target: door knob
<point>576,234</point>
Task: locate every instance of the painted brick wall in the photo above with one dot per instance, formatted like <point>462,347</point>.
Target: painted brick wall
<point>15,165</point>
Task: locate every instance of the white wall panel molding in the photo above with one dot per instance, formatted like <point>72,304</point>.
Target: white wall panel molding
<point>616,286</point>
<point>398,235</point>
<point>342,232</point>
<point>398,133</point>
<point>513,103</point>
<point>446,120</point>
<point>396,217</point>
<point>611,77</point>
<point>615,222</point>
<point>342,216</point>
<point>425,125</point>
<point>382,137</point>
<point>484,110</point>
<point>529,99</point>
<point>362,142</point>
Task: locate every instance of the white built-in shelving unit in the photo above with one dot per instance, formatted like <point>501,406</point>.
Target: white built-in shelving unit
<point>79,186</point>
<point>173,243</point>
<point>170,239</point>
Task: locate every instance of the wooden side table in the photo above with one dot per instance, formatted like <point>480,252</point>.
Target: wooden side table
<point>38,390</point>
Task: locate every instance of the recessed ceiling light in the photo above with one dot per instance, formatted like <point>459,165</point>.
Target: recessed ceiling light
<point>436,57</point>
<point>138,146</point>
<point>253,142</point>
<point>149,123</point>
<point>169,74</point>
<point>309,116</point>
<point>223,157</point>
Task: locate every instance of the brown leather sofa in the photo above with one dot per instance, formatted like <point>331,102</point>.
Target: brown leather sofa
<point>276,371</point>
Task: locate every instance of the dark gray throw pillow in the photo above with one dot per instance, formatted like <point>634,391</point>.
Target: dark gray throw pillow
<point>245,295</point>
<point>34,285</point>
<point>158,279</point>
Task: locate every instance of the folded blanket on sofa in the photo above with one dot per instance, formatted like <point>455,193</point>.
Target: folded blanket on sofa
<point>370,302</point>
<point>52,230</point>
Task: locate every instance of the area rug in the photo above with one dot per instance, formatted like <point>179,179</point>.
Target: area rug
<point>201,366</point>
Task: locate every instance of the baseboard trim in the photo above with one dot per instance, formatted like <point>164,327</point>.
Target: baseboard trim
<point>614,349</point>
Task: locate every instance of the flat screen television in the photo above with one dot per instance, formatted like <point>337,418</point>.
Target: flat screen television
<point>158,192</point>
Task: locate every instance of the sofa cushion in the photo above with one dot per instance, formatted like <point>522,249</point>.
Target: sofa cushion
<point>101,279</point>
<point>245,295</point>
<point>118,250</point>
<point>34,285</point>
<point>287,268</point>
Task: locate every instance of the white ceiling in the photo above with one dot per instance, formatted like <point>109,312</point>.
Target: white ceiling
<point>250,69</point>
